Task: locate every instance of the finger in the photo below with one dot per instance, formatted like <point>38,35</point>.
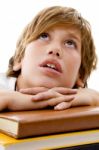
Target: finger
<point>62,106</point>
<point>53,97</point>
<point>63,90</point>
<point>57,100</point>
<point>33,91</point>
<point>45,95</point>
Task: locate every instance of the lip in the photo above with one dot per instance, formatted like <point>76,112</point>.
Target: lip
<point>54,62</point>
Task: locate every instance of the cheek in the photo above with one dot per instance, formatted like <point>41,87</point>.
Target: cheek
<point>32,49</point>
<point>74,62</point>
<point>76,66</point>
<point>72,70</point>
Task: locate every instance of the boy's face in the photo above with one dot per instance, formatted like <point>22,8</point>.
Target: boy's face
<point>52,60</point>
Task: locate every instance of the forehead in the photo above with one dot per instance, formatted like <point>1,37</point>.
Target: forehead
<point>66,30</point>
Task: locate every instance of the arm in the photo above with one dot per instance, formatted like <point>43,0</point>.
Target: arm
<point>83,97</point>
<point>53,97</point>
<point>86,96</point>
<point>62,98</point>
<point>41,98</point>
<point>15,101</point>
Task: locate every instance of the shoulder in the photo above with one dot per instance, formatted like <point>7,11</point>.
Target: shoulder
<point>7,82</point>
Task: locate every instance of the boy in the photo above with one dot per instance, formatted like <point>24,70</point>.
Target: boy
<point>54,55</point>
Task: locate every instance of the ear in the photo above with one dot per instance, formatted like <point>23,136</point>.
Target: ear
<point>80,83</point>
<point>17,66</point>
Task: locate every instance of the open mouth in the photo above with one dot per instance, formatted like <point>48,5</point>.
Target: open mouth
<point>51,65</point>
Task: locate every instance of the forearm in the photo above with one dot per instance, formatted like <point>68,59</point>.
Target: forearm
<point>15,101</point>
<point>5,97</point>
<point>86,97</point>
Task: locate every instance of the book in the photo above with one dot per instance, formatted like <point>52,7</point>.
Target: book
<point>41,122</point>
<point>82,140</point>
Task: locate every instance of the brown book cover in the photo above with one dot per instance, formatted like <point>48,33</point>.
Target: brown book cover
<point>41,122</point>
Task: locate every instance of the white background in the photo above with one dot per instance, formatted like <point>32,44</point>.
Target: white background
<point>15,14</point>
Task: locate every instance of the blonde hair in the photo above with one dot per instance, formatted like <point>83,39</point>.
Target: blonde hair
<point>48,18</point>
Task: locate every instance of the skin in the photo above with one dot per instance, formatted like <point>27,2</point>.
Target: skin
<point>59,46</point>
<point>39,86</point>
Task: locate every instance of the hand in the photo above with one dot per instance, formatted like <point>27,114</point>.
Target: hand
<point>33,91</point>
<point>86,97</point>
<point>15,101</point>
<point>41,100</point>
<point>83,97</point>
<point>56,97</point>
<point>59,97</point>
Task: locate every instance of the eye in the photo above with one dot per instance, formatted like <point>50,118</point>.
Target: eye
<point>70,44</point>
<point>44,36</point>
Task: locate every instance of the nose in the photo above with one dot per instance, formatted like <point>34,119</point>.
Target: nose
<point>55,51</point>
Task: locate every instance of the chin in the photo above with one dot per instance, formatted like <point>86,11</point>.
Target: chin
<point>45,84</point>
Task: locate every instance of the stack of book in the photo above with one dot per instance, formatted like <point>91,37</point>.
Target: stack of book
<point>49,129</point>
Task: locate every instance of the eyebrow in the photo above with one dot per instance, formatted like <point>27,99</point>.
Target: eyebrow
<point>74,36</point>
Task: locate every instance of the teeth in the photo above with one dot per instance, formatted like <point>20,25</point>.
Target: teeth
<point>51,66</point>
